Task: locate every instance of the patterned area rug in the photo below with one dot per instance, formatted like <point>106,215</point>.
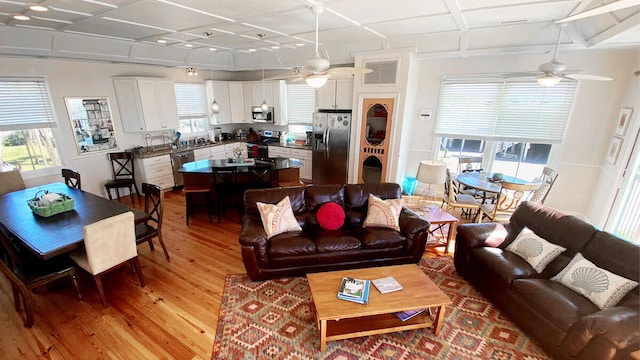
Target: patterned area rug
<point>273,320</point>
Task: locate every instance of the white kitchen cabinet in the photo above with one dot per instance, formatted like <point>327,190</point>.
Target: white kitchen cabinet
<point>236,97</point>
<point>202,154</point>
<point>217,152</point>
<point>335,95</point>
<point>279,151</point>
<point>305,157</point>
<point>219,90</point>
<point>155,170</point>
<point>146,104</point>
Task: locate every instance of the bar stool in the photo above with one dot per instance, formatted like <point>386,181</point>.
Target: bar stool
<point>189,191</point>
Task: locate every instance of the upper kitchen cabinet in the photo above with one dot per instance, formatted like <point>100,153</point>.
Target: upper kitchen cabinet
<point>219,91</point>
<point>335,95</point>
<point>146,104</point>
<point>236,96</point>
<point>273,92</point>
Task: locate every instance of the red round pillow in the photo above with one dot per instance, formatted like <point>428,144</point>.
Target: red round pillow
<point>330,216</point>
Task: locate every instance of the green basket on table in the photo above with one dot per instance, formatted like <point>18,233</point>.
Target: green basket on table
<point>64,204</point>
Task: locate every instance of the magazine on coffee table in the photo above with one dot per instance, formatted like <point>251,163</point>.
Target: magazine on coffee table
<point>387,284</point>
<point>408,314</point>
<point>356,290</point>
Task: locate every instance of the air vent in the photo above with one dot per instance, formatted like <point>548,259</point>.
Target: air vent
<point>384,72</point>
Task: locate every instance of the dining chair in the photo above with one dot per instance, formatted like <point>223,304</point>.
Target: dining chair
<point>455,200</point>
<point>509,198</point>
<point>190,189</point>
<point>227,189</point>
<point>259,177</point>
<point>547,178</point>
<point>26,273</point>
<point>72,178</point>
<point>153,205</point>
<point>11,181</point>
<point>122,167</point>
<point>108,244</point>
<point>469,163</point>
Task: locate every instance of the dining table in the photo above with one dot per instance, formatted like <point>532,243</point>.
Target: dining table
<point>47,237</point>
<point>483,181</point>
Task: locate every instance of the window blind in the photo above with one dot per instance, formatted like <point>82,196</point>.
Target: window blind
<point>504,110</point>
<point>301,103</point>
<point>25,104</point>
<point>191,101</point>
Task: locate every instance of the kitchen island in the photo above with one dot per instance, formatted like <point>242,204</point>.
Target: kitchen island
<point>285,171</point>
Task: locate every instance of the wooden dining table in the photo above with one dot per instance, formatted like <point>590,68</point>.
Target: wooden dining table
<point>58,234</point>
<point>484,181</point>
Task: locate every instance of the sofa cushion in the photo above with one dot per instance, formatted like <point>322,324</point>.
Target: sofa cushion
<point>603,288</point>
<point>535,250</point>
<point>291,244</point>
<point>383,213</point>
<point>376,238</point>
<point>497,265</point>
<point>553,301</point>
<point>278,218</point>
<point>335,240</point>
<point>330,216</point>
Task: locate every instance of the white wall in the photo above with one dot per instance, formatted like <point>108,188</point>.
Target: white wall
<point>589,129</point>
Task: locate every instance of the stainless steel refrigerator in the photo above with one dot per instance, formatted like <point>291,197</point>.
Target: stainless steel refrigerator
<point>331,147</point>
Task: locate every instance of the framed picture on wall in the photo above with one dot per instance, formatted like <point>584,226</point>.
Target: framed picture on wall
<point>91,123</point>
<point>623,121</point>
<point>614,150</point>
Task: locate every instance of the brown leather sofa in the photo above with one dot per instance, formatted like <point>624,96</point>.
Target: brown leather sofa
<point>566,324</point>
<point>315,249</point>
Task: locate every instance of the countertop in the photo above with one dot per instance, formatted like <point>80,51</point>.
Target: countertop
<point>167,149</point>
<point>204,166</point>
<point>293,146</point>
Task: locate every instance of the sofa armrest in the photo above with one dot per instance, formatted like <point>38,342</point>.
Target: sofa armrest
<point>252,232</point>
<point>616,328</point>
<point>253,243</point>
<point>416,229</point>
<point>470,236</point>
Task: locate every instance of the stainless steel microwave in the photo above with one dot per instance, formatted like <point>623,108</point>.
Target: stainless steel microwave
<point>261,116</point>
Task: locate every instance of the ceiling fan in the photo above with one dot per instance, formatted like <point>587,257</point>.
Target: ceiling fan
<point>551,73</point>
<point>317,70</point>
<point>613,6</point>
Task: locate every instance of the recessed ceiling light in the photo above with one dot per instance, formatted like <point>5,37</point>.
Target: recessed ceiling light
<point>213,49</point>
<point>38,8</point>
<point>188,45</point>
<point>275,47</point>
<point>21,17</point>
<point>299,44</point>
<point>252,50</point>
<point>161,41</point>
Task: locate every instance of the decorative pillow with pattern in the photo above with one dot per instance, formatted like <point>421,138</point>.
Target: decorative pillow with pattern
<point>383,213</point>
<point>278,218</point>
<point>603,288</point>
<point>537,251</point>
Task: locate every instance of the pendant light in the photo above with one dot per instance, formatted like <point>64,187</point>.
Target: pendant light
<point>215,109</point>
<point>264,106</point>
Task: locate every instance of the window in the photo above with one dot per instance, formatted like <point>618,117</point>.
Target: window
<point>301,103</point>
<point>26,136</point>
<point>512,123</point>
<point>192,108</point>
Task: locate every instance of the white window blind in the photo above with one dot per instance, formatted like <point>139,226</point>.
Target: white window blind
<point>191,101</point>
<point>496,109</point>
<point>301,103</point>
<point>25,104</point>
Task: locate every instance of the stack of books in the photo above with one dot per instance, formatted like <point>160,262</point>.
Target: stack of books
<point>355,290</point>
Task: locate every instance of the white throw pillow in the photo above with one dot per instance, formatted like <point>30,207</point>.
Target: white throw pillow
<point>383,213</point>
<point>278,218</point>
<point>603,288</point>
<point>537,251</point>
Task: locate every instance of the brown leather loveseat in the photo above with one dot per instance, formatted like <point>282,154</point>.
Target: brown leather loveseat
<point>314,249</point>
<point>565,323</point>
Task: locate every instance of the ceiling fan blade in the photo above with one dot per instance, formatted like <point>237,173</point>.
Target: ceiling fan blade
<point>614,6</point>
<point>282,77</point>
<point>338,76</point>
<point>523,74</point>
<point>590,77</point>
<point>349,70</point>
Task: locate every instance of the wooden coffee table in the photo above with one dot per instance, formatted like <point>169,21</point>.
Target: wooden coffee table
<point>340,319</point>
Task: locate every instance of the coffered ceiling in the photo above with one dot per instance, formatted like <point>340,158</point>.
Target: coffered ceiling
<point>223,34</point>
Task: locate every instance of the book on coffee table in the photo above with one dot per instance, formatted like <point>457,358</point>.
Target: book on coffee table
<point>356,290</point>
<point>387,284</point>
<point>408,314</point>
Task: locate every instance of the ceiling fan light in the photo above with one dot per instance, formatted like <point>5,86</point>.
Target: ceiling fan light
<point>548,80</point>
<point>316,81</point>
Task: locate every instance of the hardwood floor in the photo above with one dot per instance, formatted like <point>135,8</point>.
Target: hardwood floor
<point>173,317</point>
